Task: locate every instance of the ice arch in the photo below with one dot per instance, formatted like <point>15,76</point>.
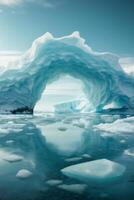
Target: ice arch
<point>66,93</point>
<point>48,58</point>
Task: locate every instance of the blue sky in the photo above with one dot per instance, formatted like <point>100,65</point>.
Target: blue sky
<point>107,25</point>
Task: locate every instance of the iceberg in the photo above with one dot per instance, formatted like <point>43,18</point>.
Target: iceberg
<point>78,105</point>
<point>101,171</point>
<point>104,81</point>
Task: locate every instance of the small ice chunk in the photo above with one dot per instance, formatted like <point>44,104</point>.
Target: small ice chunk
<point>24,173</point>
<point>80,123</point>
<point>12,158</point>
<point>86,156</point>
<point>10,122</point>
<point>129,152</point>
<point>54,182</point>
<point>73,159</point>
<point>98,171</point>
<point>62,128</point>
<point>9,141</point>
<point>122,141</point>
<point>76,188</point>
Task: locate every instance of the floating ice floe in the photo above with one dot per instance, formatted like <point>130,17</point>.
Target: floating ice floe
<point>122,141</point>
<point>99,171</point>
<point>23,173</point>
<point>9,141</point>
<point>129,152</point>
<point>73,159</point>
<point>10,157</point>
<point>54,182</point>
<point>13,158</point>
<point>86,156</point>
<point>80,123</point>
<point>76,188</point>
<point>118,126</point>
<point>7,130</point>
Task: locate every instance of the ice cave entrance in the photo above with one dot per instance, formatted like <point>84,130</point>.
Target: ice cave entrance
<point>63,95</point>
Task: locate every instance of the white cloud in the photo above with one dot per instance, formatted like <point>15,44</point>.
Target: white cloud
<point>44,3</point>
<point>8,57</point>
<point>10,2</point>
<point>127,64</point>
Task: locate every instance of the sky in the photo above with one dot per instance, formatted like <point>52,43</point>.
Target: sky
<point>107,25</point>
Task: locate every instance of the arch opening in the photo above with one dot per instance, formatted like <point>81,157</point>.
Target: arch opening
<point>63,95</point>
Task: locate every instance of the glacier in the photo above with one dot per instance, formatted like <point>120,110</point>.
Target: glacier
<point>104,80</point>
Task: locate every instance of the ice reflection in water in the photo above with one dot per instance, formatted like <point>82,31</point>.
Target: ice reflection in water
<point>43,145</point>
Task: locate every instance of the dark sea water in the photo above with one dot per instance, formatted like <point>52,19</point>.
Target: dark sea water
<point>44,144</point>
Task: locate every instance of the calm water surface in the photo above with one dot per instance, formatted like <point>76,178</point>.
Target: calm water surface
<point>45,144</point>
